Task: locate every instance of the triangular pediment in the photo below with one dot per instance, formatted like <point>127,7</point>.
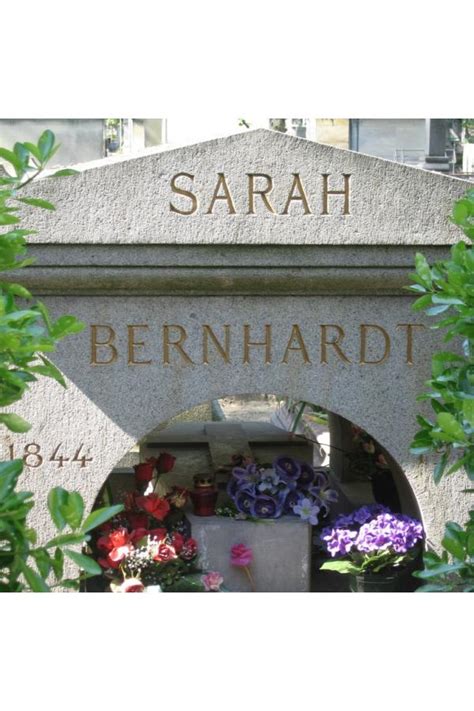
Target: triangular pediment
<point>258,187</point>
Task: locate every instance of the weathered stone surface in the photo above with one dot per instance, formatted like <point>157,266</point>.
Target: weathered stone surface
<point>129,202</point>
<point>281,552</point>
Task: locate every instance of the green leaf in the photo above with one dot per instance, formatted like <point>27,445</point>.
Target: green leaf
<point>15,423</point>
<point>67,539</point>
<point>443,569</point>
<point>57,498</point>
<point>450,300</point>
<point>440,467</point>
<point>456,466</point>
<point>451,426</point>
<point>62,173</point>
<point>453,545</point>
<point>33,150</point>
<point>7,219</point>
<point>423,270</point>
<point>73,509</point>
<point>9,473</point>
<point>435,310</point>
<point>45,144</point>
<point>49,370</point>
<point>36,202</point>
<point>99,516</point>
<point>65,326</point>
<point>16,289</point>
<point>341,566</point>
<point>43,561</point>
<point>58,563</point>
<point>421,303</point>
<point>468,411</point>
<point>35,581</point>
<point>84,562</point>
<point>11,158</point>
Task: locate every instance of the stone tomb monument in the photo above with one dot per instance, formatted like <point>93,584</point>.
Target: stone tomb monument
<point>250,264</point>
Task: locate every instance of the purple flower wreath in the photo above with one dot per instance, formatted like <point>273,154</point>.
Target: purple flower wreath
<point>289,487</point>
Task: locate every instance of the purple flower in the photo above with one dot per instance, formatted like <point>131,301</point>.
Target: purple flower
<point>339,541</point>
<point>291,500</point>
<point>288,469</point>
<point>372,529</point>
<point>365,513</point>
<point>320,477</point>
<point>244,501</point>
<point>307,510</point>
<point>247,475</point>
<point>306,476</point>
<point>392,532</point>
<point>267,507</point>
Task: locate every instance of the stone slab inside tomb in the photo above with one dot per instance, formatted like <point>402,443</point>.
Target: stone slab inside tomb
<point>243,301</point>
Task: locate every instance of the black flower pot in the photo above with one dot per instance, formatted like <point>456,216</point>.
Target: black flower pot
<point>375,582</point>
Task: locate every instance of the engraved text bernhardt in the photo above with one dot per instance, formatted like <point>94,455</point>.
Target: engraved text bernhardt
<point>331,195</point>
<point>172,344</point>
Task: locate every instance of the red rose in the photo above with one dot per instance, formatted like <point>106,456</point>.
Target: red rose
<point>177,541</point>
<point>137,520</point>
<point>119,537</point>
<point>189,549</point>
<point>165,463</point>
<point>164,553</point>
<point>154,505</point>
<point>144,471</point>
<point>158,533</point>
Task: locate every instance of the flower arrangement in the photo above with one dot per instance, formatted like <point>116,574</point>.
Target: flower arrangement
<point>148,547</point>
<point>371,539</point>
<point>288,487</point>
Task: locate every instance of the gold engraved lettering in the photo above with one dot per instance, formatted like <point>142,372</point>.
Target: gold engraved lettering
<point>345,192</point>
<point>364,328</point>
<point>267,343</point>
<point>334,343</point>
<point>132,344</point>
<point>186,193</point>
<point>300,195</point>
<point>108,343</point>
<point>222,350</point>
<point>409,327</point>
<point>252,191</point>
<point>177,344</point>
<point>221,183</point>
<point>301,347</point>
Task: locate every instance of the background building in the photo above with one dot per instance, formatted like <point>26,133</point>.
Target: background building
<point>442,145</point>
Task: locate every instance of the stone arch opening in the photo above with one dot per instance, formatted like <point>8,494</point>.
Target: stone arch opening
<point>203,439</point>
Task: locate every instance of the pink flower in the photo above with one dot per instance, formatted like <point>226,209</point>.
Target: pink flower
<point>241,556</point>
<point>132,585</point>
<point>212,581</point>
<point>118,554</point>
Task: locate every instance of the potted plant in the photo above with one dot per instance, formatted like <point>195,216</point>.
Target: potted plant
<point>374,546</point>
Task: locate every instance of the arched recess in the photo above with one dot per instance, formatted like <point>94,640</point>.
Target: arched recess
<point>71,418</point>
<point>363,468</point>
